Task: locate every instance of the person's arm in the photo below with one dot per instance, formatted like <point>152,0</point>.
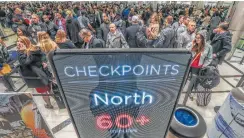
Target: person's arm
<point>24,59</point>
<point>77,25</point>
<point>126,35</point>
<point>180,41</point>
<point>55,27</point>
<point>209,57</point>
<point>89,26</point>
<point>43,27</point>
<point>123,42</point>
<point>189,46</point>
<point>100,32</point>
<point>68,33</point>
<point>107,42</point>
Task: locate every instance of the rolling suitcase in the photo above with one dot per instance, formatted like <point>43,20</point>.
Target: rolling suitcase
<point>203,98</point>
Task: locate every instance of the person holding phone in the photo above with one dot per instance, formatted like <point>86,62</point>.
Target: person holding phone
<point>31,65</point>
<point>201,52</point>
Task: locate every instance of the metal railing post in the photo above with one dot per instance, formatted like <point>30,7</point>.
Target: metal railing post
<point>189,89</point>
<point>241,82</point>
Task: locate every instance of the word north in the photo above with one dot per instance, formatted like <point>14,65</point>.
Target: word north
<point>112,99</point>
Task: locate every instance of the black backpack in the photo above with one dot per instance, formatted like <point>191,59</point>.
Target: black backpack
<point>213,78</point>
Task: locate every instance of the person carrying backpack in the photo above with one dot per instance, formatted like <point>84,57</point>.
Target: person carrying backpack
<point>84,22</point>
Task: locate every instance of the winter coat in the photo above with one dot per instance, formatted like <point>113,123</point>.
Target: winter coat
<point>221,44</point>
<point>94,43</point>
<point>34,28</point>
<point>206,55</point>
<point>176,25</point>
<point>66,45</point>
<point>116,40</point>
<point>103,32</point>
<point>31,66</point>
<point>51,29</point>
<point>130,35</point>
<point>182,28</point>
<point>185,38</point>
<point>73,28</point>
<point>168,35</point>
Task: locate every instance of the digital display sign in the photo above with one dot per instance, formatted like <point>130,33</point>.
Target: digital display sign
<point>121,93</point>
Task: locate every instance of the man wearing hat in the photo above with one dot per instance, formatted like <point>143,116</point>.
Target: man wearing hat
<point>130,33</point>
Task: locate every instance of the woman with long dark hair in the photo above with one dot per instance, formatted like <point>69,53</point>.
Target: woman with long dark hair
<point>201,52</point>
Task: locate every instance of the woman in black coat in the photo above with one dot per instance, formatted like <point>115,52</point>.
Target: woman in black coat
<point>31,65</point>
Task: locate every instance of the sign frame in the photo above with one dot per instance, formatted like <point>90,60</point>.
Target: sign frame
<point>113,51</point>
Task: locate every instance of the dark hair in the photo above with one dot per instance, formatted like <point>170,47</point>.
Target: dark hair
<point>195,47</point>
<point>224,26</point>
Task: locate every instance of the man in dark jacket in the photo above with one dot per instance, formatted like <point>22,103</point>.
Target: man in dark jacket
<point>36,26</point>
<point>104,28</point>
<point>84,22</point>
<point>73,28</point>
<point>221,42</point>
<point>130,33</point>
<point>168,34</point>
<point>51,27</point>
<point>90,40</point>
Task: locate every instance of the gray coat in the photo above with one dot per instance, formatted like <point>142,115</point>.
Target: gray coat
<point>116,40</point>
<point>176,25</point>
<point>130,35</point>
<point>168,34</point>
<point>73,28</point>
<point>206,56</point>
<point>185,38</point>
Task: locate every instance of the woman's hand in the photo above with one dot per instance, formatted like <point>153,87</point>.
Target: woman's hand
<point>44,65</point>
<point>21,46</point>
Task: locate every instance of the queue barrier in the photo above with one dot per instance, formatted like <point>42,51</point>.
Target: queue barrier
<point>239,45</point>
<point>194,78</point>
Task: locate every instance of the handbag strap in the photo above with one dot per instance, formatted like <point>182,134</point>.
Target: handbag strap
<point>195,57</point>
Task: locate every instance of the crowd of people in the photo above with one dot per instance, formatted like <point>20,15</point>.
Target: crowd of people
<point>44,27</point>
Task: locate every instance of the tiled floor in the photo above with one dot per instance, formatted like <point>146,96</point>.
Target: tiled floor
<point>55,117</point>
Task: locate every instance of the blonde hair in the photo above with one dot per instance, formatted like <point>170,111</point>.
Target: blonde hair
<point>156,18</point>
<point>29,46</point>
<point>60,36</point>
<point>46,43</point>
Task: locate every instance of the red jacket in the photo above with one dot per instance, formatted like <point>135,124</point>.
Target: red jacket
<point>63,21</point>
